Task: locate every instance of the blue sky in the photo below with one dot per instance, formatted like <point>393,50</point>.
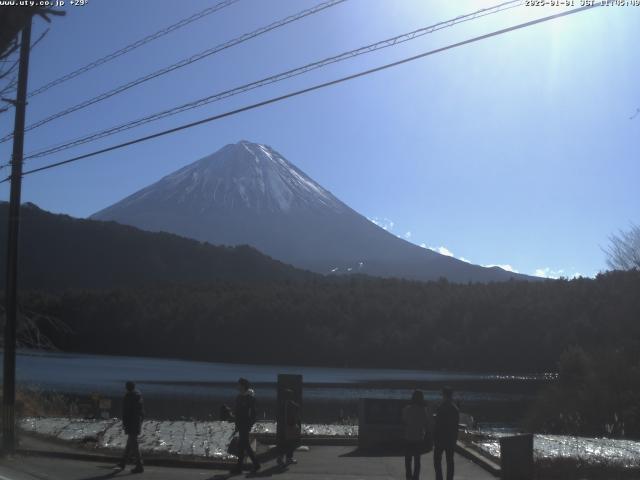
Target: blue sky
<point>518,150</point>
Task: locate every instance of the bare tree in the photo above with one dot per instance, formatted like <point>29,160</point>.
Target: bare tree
<point>623,252</point>
<point>12,20</point>
<point>29,334</point>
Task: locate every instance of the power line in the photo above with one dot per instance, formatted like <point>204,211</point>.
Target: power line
<point>309,89</point>
<point>181,63</point>
<point>139,43</point>
<point>275,78</point>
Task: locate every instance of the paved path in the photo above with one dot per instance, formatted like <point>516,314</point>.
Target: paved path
<point>319,463</point>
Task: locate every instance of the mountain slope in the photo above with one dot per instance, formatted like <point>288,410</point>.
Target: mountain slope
<point>59,252</point>
<point>247,193</point>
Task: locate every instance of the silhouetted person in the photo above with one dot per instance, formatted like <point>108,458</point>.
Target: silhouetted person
<point>244,417</point>
<point>417,425</point>
<point>132,417</point>
<point>446,433</point>
<point>292,427</point>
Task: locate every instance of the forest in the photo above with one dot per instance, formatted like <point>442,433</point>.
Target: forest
<point>351,321</point>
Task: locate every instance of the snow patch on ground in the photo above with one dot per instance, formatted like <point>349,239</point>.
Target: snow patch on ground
<point>624,453</point>
<point>185,438</point>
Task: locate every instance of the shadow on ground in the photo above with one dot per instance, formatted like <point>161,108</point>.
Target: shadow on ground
<point>390,452</point>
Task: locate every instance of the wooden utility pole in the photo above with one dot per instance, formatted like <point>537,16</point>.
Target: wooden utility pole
<point>11,293</point>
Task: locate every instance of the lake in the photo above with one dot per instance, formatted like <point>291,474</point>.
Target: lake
<point>189,389</point>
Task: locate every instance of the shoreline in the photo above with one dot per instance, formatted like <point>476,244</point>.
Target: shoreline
<point>178,389</point>
<point>468,385</point>
<point>493,409</point>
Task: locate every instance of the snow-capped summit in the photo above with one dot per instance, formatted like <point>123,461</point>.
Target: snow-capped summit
<point>248,193</point>
<point>239,176</point>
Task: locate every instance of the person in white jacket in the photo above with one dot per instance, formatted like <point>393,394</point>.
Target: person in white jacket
<point>417,430</point>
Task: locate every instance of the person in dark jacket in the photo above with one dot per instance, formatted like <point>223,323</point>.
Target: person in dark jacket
<point>290,436</point>
<point>445,433</point>
<point>244,417</point>
<point>417,427</point>
<point>132,417</point>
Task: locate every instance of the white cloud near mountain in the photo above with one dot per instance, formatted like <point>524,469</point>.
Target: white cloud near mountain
<point>384,223</point>
<point>442,251</point>
<point>547,272</point>
<point>504,266</point>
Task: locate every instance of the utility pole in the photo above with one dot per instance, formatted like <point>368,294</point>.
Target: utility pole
<point>11,293</point>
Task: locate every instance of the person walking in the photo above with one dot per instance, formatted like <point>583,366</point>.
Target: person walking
<point>446,433</point>
<point>290,436</point>
<point>132,418</point>
<point>417,429</point>
<point>244,416</point>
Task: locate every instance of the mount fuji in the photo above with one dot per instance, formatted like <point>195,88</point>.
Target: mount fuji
<point>247,193</point>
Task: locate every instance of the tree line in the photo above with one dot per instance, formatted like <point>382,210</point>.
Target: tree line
<point>352,321</point>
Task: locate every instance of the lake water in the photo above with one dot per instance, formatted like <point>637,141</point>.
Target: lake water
<point>191,389</point>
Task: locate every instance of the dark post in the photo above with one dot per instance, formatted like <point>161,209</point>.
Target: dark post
<point>516,457</point>
<point>11,310</point>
